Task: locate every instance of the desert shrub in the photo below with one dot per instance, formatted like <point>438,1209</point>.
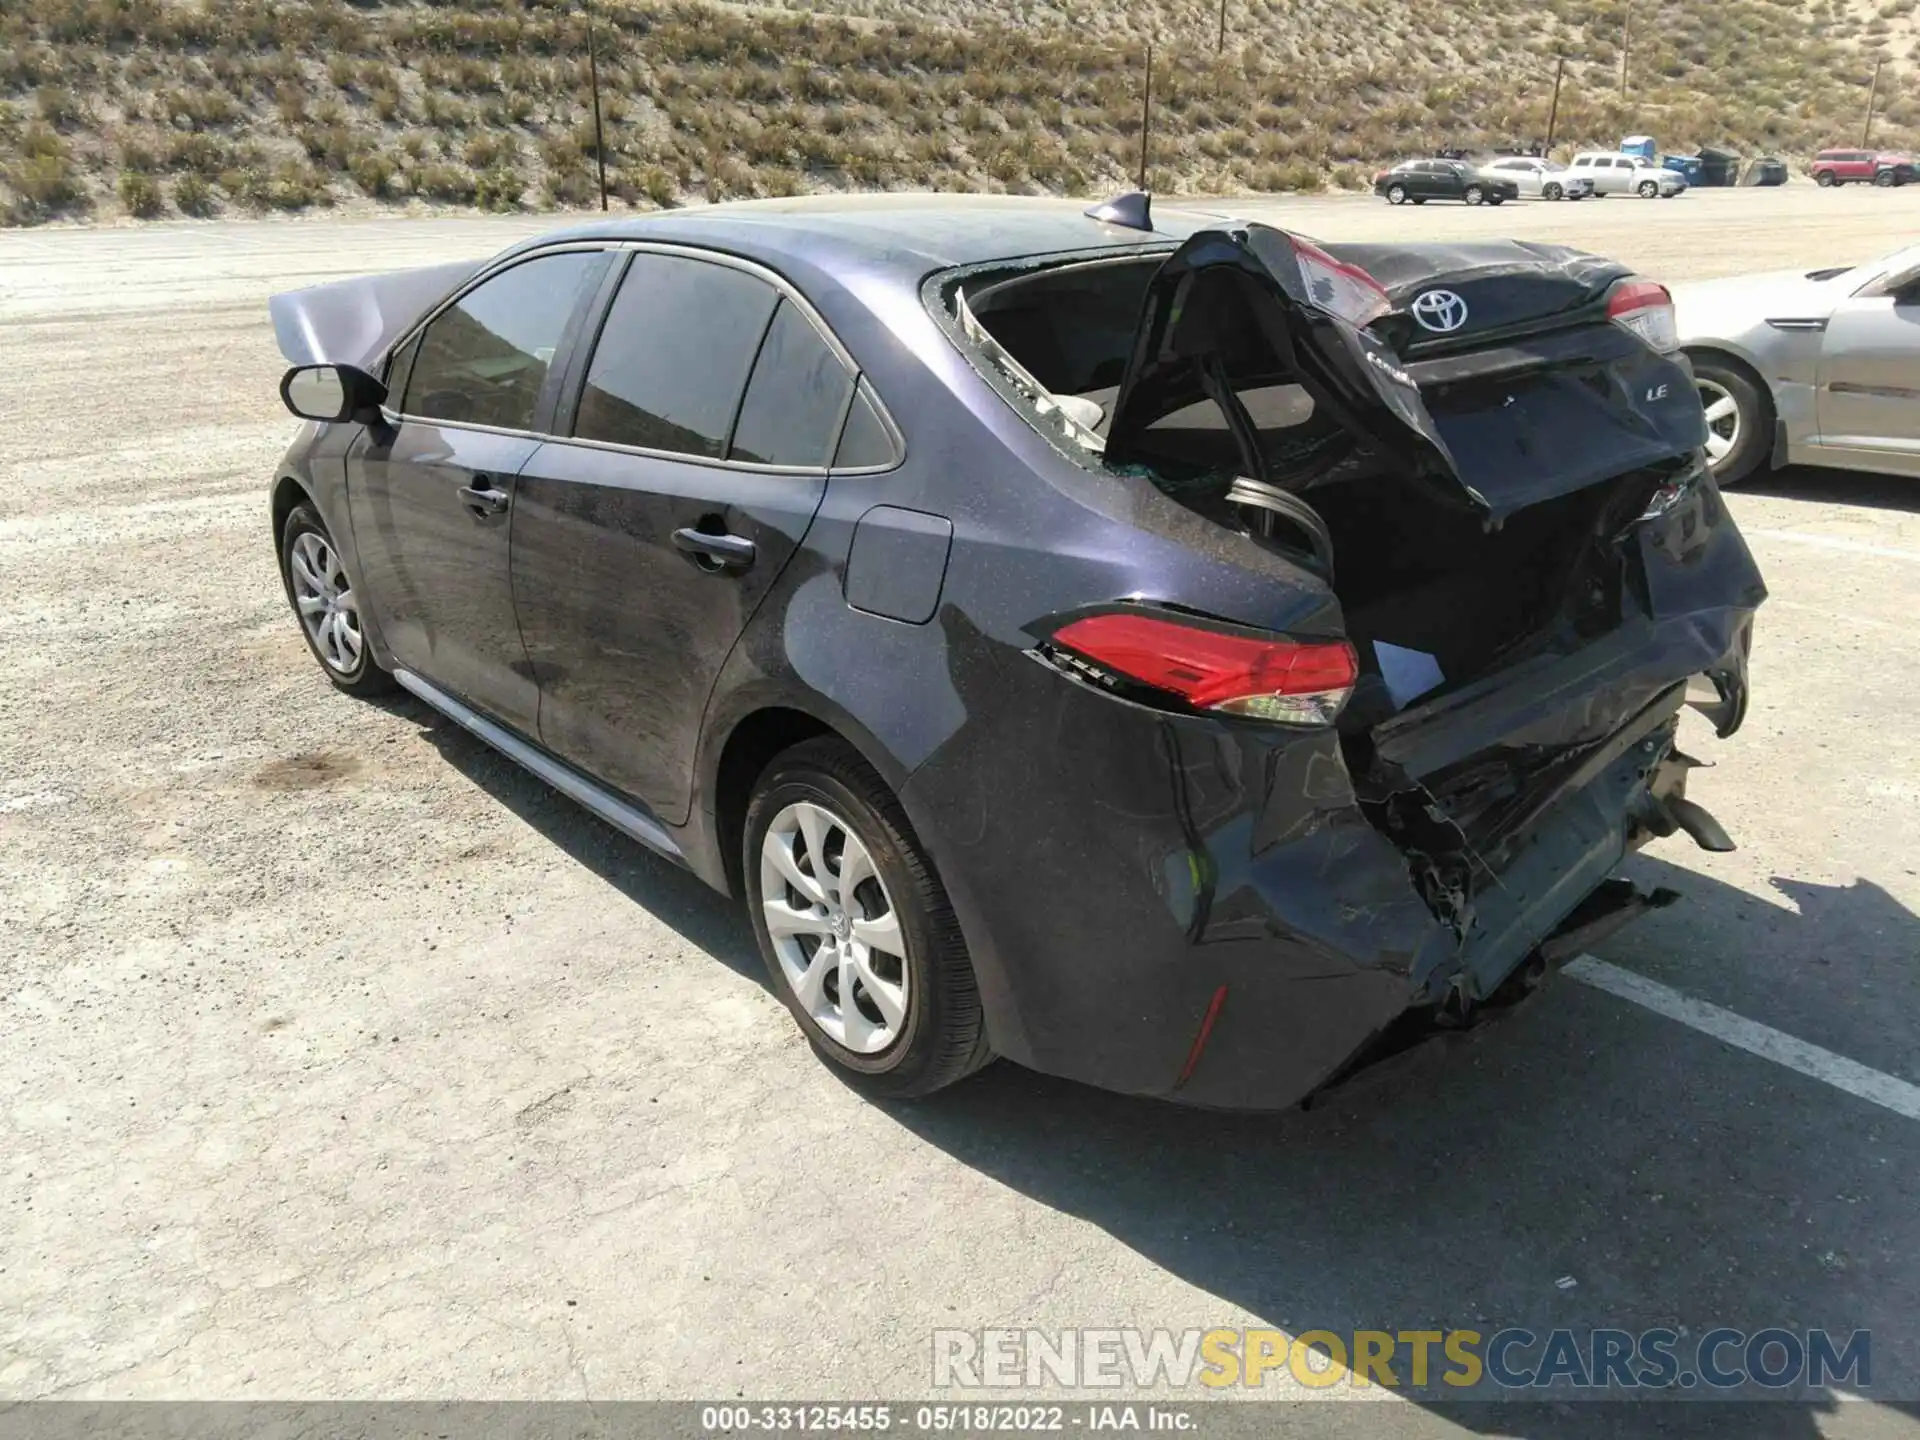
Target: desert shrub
<point>444,182</point>
<point>490,148</point>
<point>141,194</point>
<point>1292,175</point>
<point>193,195</point>
<point>572,187</point>
<point>289,185</point>
<point>652,183</point>
<point>499,188</point>
<point>374,172</point>
<point>58,105</point>
<point>44,185</point>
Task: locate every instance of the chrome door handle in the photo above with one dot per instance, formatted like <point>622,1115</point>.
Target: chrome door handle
<point>483,500</point>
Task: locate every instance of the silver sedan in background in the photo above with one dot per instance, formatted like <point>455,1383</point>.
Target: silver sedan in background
<point>1543,179</point>
<point>1813,368</point>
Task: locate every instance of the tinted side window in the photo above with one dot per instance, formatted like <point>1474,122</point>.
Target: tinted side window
<point>673,356</point>
<point>484,359</point>
<point>796,397</point>
<point>865,443</point>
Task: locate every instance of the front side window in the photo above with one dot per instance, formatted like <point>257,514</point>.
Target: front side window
<point>673,356</point>
<point>484,359</point>
<point>796,398</point>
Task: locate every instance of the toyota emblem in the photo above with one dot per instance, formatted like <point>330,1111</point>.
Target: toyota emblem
<point>1440,311</point>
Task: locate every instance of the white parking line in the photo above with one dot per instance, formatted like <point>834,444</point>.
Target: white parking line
<point>1832,542</point>
<point>1749,1035</point>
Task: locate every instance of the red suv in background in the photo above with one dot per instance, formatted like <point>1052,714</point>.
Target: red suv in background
<point>1877,167</point>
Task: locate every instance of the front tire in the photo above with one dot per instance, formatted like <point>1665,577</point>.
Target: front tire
<point>1552,192</point>
<point>856,930</point>
<point>1737,420</point>
<point>1649,190</point>
<point>1885,179</point>
<point>1397,195</point>
<point>327,605</point>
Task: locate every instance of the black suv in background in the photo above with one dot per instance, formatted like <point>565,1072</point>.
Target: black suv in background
<point>1419,181</point>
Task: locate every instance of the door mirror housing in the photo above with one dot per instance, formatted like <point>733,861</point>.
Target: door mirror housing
<point>1902,285</point>
<point>332,393</point>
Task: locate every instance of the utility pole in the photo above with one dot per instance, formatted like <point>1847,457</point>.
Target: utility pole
<point>1873,94</point>
<point>1553,115</point>
<point>1626,42</point>
<point>593,77</point>
<point>1146,115</point>
<point>1221,46</point>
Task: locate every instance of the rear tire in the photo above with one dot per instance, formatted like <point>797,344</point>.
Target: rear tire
<point>327,606</point>
<point>1744,434</point>
<point>1825,180</point>
<point>896,1026</point>
<point>1474,195</point>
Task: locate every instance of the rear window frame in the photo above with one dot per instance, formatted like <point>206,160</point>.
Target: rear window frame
<point>937,292</point>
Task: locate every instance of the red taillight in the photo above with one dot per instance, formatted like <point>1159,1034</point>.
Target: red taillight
<point>1260,677</point>
<point>1346,290</point>
<point>1646,309</point>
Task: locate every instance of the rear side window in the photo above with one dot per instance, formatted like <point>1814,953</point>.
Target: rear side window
<point>673,356</point>
<point>866,443</point>
<point>484,359</point>
<point>796,398</point>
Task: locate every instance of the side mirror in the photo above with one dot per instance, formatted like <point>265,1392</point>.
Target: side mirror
<point>332,393</point>
<point>1903,285</point>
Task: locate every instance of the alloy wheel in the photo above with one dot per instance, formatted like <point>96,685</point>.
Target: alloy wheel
<point>324,597</point>
<point>834,928</point>
<point>1723,419</point>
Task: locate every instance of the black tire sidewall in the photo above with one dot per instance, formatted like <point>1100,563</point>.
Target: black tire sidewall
<point>800,776</point>
<point>1747,456</point>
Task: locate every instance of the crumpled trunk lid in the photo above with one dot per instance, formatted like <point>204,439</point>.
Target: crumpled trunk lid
<point>1534,395</point>
<point>353,322</point>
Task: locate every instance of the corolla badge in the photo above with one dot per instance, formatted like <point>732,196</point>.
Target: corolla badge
<point>1440,311</point>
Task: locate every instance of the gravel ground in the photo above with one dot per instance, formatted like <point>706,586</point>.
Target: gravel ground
<point>338,1058</point>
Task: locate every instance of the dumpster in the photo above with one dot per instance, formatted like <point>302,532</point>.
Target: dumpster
<point>1718,167</point>
<point>1766,171</point>
<point>1690,166</point>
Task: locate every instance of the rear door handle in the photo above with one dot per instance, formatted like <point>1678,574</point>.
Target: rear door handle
<point>483,500</point>
<point>717,552</point>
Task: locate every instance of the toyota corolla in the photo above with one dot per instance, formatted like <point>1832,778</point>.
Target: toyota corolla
<point>1156,650</point>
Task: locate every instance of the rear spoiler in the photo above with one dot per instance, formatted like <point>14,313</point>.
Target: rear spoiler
<point>355,322</point>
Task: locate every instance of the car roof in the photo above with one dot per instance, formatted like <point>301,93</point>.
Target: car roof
<point>909,234</point>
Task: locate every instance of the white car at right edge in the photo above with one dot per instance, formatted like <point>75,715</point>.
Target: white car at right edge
<point>1808,368</point>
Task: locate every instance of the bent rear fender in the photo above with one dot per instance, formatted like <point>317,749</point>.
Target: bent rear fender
<point>355,322</point>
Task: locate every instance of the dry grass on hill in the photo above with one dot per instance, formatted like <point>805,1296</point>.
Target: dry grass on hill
<point>156,107</point>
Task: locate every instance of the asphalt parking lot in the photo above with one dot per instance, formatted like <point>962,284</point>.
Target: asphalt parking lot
<point>339,1058</point>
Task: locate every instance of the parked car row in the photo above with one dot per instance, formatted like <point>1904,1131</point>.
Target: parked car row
<point>1602,173</point>
<point>1593,174</point>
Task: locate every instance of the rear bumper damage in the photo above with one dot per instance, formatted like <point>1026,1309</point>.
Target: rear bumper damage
<point>1224,916</point>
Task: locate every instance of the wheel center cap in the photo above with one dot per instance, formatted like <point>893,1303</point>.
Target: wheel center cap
<point>842,926</point>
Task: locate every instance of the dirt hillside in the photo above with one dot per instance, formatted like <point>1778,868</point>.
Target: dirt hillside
<point>159,107</point>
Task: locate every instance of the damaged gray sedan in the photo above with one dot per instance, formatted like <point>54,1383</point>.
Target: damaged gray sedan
<point>1160,651</point>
